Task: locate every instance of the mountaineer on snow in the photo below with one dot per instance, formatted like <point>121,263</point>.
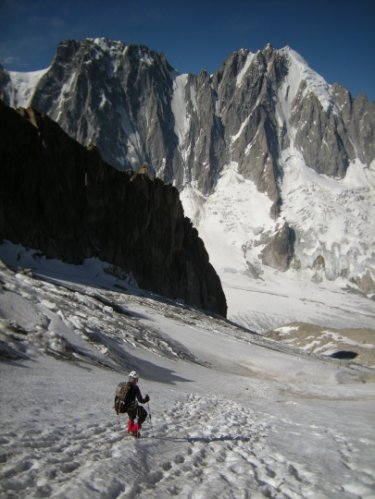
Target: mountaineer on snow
<point>128,394</point>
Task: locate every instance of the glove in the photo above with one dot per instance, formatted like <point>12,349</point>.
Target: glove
<point>147,398</point>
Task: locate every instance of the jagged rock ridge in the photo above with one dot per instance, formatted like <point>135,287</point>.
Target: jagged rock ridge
<point>263,112</point>
<point>62,198</point>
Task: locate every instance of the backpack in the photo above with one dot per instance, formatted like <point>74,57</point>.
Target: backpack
<point>120,398</point>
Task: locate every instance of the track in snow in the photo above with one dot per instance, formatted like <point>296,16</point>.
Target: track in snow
<point>202,447</point>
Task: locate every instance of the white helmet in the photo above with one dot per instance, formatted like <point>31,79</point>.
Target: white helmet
<point>133,375</point>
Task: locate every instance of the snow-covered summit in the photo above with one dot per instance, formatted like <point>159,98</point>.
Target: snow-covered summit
<point>105,43</point>
<point>301,78</point>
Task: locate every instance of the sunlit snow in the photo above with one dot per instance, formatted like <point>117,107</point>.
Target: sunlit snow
<point>232,220</point>
<point>23,86</point>
<point>300,71</point>
<point>233,414</point>
<point>178,105</point>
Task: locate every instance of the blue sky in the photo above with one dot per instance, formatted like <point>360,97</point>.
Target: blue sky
<point>337,38</point>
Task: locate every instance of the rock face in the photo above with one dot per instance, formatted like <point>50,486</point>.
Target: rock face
<point>268,113</point>
<point>129,102</point>
<point>279,249</point>
<point>62,198</point>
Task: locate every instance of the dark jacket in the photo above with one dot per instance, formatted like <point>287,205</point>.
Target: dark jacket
<point>127,397</point>
<point>134,393</point>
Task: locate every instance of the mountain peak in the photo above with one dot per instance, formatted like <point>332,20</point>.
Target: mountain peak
<point>268,49</point>
<point>267,115</point>
<point>105,42</point>
<point>299,72</point>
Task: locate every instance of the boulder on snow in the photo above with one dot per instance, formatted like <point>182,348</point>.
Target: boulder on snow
<point>279,249</point>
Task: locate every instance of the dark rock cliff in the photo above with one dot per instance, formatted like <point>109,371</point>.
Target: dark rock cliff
<point>62,198</point>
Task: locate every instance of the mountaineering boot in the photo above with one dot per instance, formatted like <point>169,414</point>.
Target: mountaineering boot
<point>136,430</point>
<point>131,427</point>
<point>135,434</point>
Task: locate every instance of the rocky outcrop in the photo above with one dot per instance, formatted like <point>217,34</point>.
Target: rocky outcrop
<point>279,249</point>
<point>366,283</point>
<point>62,198</point>
<point>246,85</point>
<point>345,344</point>
<point>116,97</point>
<point>4,84</point>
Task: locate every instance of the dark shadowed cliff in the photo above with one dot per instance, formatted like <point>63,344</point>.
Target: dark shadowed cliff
<point>62,198</point>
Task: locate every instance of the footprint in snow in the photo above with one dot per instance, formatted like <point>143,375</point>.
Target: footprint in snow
<point>209,448</point>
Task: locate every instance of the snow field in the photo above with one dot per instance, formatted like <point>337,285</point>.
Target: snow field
<point>330,216</point>
<point>23,86</point>
<point>234,218</point>
<point>233,414</point>
<point>43,461</point>
<point>199,447</point>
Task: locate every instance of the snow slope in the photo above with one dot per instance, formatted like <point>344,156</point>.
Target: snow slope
<point>233,220</point>
<point>233,414</point>
<point>23,85</point>
<point>300,71</point>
